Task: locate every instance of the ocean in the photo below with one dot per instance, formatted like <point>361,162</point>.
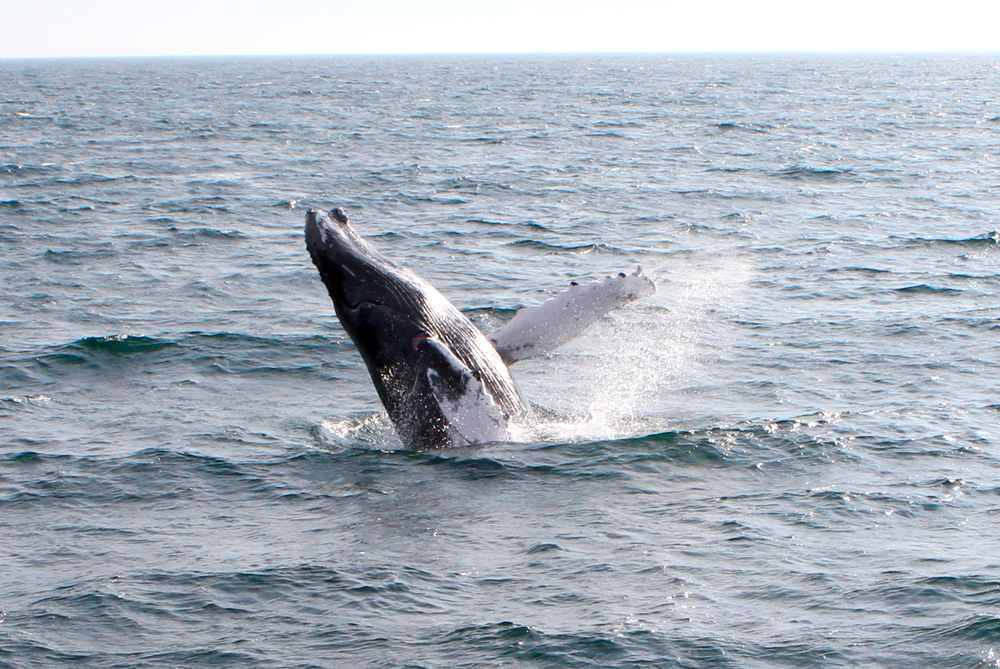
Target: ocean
<point>787,457</point>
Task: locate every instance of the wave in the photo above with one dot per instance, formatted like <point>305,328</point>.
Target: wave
<point>94,349</point>
<point>23,402</point>
<point>22,169</point>
<point>988,239</point>
<point>972,589</point>
<point>608,134</point>
<point>220,352</point>
<point>122,344</point>
<point>599,247</point>
<point>485,140</point>
<point>981,627</point>
<point>93,178</point>
<point>974,322</point>
<point>745,127</point>
<point>210,234</point>
<point>619,124</point>
<point>80,256</point>
<point>870,271</point>
<point>211,204</point>
<point>927,289</point>
<point>534,647</point>
<point>728,169</point>
<point>433,199</point>
<point>814,173</point>
<point>636,641</point>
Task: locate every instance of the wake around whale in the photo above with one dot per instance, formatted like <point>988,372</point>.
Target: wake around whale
<point>442,381</point>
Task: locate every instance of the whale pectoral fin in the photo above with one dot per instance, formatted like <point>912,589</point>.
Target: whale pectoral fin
<point>469,409</point>
<point>537,330</point>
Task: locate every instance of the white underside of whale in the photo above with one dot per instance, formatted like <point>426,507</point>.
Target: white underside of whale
<point>472,414</point>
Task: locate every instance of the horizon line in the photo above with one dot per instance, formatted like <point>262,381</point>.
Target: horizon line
<point>438,54</point>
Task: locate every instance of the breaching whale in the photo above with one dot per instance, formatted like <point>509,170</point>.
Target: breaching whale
<point>442,381</point>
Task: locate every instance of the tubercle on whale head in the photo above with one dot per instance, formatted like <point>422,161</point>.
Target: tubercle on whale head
<point>324,228</point>
<point>330,234</point>
<point>338,214</point>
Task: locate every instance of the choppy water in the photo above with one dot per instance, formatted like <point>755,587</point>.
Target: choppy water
<point>789,457</point>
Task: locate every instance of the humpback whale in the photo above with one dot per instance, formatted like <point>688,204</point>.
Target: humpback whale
<point>441,380</point>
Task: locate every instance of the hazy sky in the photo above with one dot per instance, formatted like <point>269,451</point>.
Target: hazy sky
<point>30,28</point>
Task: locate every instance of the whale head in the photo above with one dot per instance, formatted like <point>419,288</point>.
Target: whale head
<point>354,272</point>
<point>372,295</point>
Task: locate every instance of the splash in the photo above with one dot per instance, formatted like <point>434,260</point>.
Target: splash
<point>640,370</point>
<point>372,430</point>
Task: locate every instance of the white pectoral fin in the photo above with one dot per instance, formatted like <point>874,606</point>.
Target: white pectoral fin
<point>537,330</point>
<point>470,410</point>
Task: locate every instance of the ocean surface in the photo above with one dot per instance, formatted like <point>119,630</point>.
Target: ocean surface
<point>788,457</point>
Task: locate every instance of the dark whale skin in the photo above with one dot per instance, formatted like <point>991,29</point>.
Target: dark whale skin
<point>388,311</point>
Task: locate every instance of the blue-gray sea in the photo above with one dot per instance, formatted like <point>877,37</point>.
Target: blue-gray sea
<point>788,457</point>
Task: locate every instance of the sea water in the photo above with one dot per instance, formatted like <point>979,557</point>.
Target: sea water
<point>788,457</point>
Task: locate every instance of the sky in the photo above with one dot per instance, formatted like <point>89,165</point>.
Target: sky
<point>89,28</point>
